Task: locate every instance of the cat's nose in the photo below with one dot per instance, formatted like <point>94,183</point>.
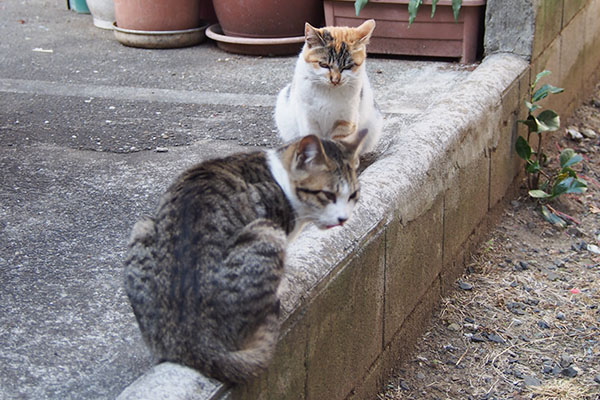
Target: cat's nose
<point>342,220</point>
<point>335,78</point>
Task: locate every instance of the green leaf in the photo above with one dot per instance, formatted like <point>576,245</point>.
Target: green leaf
<point>523,148</point>
<point>553,218</point>
<point>569,172</point>
<point>539,95</point>
<point>531,123</point>
<point>576,159</point>
<point>565,156</point>
<point>568,157</point>
<point>456,8</point>
<point>548,120</point>
<point>359,5</point>
<point>574,185</point>
<point>581,183</point>
<point>561,176</point>
<point>555,90</point>
<point>543,92</point>
<point>433,7</point>
<point>540,76</point>
<point>561,187</point>
<point>569,185</point>
<point>413,7</point>
<point>531,107</point>
<point>533,167</point>
<point>539,194</point>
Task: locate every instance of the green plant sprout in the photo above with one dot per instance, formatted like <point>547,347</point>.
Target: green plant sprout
<point>413,7</point>
<point>543,185</point>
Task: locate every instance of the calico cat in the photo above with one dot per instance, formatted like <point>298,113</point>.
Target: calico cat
<point>330,94</point>
<point>202,275</point>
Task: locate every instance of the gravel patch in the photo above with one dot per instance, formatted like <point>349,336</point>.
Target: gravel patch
<point>524,322</point>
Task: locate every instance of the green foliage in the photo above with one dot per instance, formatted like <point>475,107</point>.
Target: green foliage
<point>456,4</point>
<point>359,5</point>
<point>433,7</point>
<point>562,181</point>
<point>413,8</point>
<point>552,217</point>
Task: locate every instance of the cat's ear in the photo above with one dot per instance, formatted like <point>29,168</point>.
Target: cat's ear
<point>354,143</point>
<point>309,153</point>
<point>365,30</point>
<point>312,36</point>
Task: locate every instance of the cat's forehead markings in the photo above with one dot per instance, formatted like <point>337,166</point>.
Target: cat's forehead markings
<point>326,35</point>
<point>335,37</point>
<point>340,51</point>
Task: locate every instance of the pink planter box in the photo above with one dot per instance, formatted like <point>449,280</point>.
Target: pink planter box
<point>440,36</point>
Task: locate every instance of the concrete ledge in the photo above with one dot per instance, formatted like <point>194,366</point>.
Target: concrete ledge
<point>169,381</point>
<point>355,299</point>
<point>348,293</point>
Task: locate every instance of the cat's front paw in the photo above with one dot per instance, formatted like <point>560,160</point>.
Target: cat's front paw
<point>342,128</point>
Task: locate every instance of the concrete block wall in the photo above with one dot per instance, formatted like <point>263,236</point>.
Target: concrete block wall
<point>421,203</point>
<point>355,299</point>
<point>562,36</point>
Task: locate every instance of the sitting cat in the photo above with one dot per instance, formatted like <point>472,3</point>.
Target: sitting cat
<point>330,94</point>
<point>202,275</point>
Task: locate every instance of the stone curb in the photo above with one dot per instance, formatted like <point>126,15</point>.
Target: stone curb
<point>413,171</point>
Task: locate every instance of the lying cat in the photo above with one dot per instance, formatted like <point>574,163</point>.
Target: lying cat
<point>202,275</point>
<point>330,94</point>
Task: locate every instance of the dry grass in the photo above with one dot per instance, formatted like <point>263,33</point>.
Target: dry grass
<point>519,330</point>
<point>561,390</point>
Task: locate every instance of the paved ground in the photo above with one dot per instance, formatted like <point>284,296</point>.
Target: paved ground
<point>81,117</point>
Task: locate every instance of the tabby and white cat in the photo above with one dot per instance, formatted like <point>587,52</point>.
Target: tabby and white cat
<point>330,94</point>
<point>202,275</point>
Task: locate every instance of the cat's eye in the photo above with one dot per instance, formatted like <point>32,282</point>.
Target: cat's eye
<point>324,65</point>
<point>322,194</point>
<point>330,196</point>
<point>346,67</point>
<point>354,196</point>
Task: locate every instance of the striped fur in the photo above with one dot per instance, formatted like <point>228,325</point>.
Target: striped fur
<point>202,274</point>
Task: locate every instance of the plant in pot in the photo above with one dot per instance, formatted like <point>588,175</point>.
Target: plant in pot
<point>264,27</point>
<point>161,24</point>
<point>454,29</point>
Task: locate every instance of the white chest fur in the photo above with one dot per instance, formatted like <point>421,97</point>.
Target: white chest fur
<point>313,105</point>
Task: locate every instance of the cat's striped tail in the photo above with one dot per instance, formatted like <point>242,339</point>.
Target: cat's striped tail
<point>242,365</point>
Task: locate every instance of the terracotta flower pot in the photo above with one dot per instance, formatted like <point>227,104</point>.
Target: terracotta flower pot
<point>440,36</point>
<point>158,15</point>
<point>267,18</point>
